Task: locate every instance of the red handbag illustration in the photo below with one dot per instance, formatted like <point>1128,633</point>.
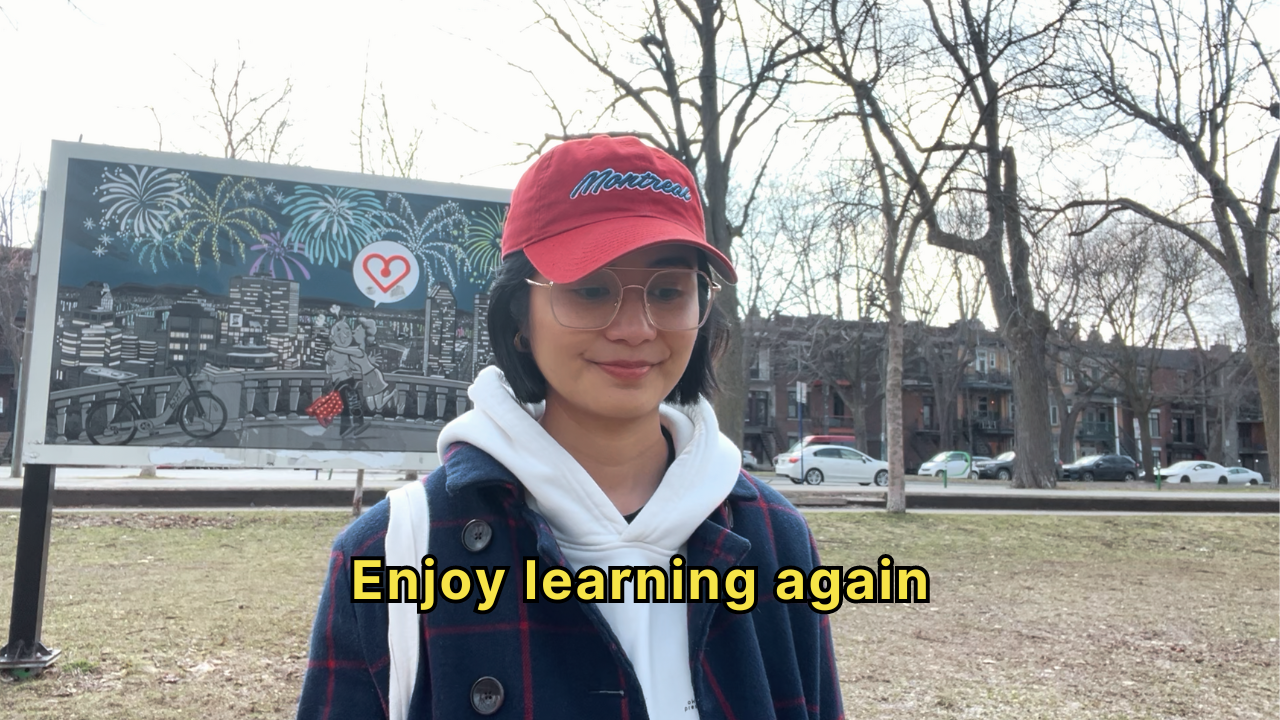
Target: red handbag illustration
<point>326,408</point>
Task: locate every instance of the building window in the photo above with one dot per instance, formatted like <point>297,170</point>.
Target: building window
<point>1053,413</point>
<point>758,407</point>
<point>1068,377</point>
<point>984,407</point>
<point>837,405</point>
<point>926,411</point>
<point>1153,423</point>
<point>791,405</point>
<point>980,362</point>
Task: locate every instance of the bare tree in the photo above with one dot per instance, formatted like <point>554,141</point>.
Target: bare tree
<point>702,75</point>
<point>15,266</point>
<point>973,67</point>
<point>943,354</point>
<point>383,148</point>
<point>1136,280</point>
<point>16,201</point>
<point>1207,90</point>
<point>249,124</point>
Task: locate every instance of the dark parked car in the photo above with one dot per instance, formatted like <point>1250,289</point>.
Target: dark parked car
<point>1001,468</point>
<point>1101,467</point>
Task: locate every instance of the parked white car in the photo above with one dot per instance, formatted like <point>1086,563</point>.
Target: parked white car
<point>1200,471</point>
<point>1243,475</point>
<point>835,463</point>
<point>957,464</point>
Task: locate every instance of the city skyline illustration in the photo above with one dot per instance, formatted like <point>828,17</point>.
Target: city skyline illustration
<point>253,289</point>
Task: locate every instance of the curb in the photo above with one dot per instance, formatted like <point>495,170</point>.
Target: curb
<point>11,498</point>
<point>1038,502</point>
<point>337,498</point>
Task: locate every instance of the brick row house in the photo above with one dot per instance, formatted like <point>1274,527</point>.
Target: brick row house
<point>958,394</point>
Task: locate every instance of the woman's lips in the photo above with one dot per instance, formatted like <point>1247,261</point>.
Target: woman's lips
<point>626,370</point>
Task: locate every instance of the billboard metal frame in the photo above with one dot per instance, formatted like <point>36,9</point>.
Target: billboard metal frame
<point>46,266</point>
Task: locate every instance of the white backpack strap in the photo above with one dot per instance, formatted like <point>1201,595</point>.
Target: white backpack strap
<point>408,529</point>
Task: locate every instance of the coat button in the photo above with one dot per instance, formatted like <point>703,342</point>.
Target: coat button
<point>476,535</point>
<point>487,695</point>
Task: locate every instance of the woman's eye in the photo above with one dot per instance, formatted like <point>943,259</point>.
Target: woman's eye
<point>592,293</point>
<point>665,294</point>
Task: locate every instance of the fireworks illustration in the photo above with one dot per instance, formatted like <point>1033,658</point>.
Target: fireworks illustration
<point>484,241</point>
<point>274,250</point>
<point>216,220</point>
<point>157,250</point>
<point>142,200</point>
<point>332,224</point>
<point>435,239</point>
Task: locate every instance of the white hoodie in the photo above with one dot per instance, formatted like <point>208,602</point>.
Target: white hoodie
<point>591,531</point>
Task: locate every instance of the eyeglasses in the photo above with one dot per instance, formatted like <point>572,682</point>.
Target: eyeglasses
<point>674,300</point>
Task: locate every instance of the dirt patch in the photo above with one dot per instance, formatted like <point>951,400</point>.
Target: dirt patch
<point>1063,617</point>
<point>144,521</point>
<point>1031,616</point>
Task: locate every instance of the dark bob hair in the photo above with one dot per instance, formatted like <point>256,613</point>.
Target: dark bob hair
<point>509,312</point>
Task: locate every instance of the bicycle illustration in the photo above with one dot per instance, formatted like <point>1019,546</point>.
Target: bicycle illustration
<point>115,421</point>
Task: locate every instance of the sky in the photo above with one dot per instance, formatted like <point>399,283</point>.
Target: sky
<point>97,70</point>
<point>471,76</point>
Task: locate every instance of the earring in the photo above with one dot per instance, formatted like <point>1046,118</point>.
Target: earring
<point>522,342</point>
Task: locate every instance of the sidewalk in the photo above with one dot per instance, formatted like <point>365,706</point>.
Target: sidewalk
<point>174,488</point>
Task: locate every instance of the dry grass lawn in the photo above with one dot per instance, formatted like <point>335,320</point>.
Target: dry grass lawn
<point>163,616</point>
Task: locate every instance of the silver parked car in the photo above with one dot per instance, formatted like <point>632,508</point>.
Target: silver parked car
<point>835,463</point>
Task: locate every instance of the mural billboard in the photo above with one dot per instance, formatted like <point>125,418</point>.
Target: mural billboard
<point>205,312</point>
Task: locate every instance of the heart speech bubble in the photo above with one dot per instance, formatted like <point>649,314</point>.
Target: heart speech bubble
<point>385,271</point>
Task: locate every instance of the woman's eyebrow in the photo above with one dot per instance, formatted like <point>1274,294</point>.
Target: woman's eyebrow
<point>673,261</point>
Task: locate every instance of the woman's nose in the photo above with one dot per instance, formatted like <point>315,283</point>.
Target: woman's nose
<point>632,322</point>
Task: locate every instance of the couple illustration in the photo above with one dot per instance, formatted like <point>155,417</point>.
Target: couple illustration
<point>355,378</point>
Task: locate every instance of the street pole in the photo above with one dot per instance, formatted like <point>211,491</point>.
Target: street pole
<point>800,420</point>
<point>20,412</point>
<point>1115,407</point>
<point>25,655</point>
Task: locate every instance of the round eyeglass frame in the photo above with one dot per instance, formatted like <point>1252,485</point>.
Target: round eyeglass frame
<point>712,288</point>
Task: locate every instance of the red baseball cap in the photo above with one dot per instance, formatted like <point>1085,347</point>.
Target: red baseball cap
<point>587,202</point>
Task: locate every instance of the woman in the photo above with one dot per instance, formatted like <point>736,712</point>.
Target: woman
<point>602,310</point>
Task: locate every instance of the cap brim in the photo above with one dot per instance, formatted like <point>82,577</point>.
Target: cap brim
<point>571,255</point>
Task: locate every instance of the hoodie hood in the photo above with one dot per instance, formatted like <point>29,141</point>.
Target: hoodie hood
<point>706,468</point>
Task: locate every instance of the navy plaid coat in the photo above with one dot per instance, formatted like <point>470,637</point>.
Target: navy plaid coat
<point>561,660</point>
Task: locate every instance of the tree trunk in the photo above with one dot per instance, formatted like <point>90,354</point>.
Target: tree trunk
<point>1261,347</point>
<point>1144,442</point>
<point>855,401</point>
<point>896,502</point>
<point>730,400</point>
<point>1067,432</point>
<point>944,411</point>
<point>357,499</point>
<point>1033,464</point>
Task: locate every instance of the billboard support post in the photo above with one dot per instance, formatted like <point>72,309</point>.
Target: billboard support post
<point>25,655</point>
<point>24,370</point>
